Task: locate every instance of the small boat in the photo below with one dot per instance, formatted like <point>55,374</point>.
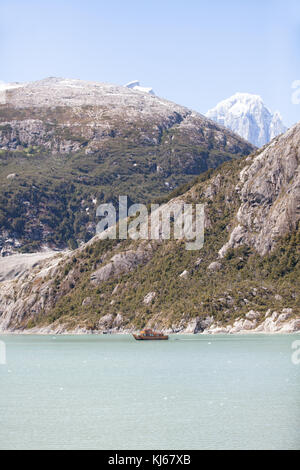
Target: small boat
<point>150,334</point>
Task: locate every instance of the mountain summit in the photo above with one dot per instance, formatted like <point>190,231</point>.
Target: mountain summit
<point>248,116</point>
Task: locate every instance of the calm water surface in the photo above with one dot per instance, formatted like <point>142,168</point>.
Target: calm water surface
<point>112,392</point>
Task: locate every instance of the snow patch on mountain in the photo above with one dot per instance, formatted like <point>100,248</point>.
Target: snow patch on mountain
<point>135,85</point>
<point>4,87</point>
<point>7,86</point>
<point>247,115</point>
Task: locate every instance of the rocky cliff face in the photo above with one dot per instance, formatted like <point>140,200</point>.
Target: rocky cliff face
<point>244,279</point>
<point>68,145</point>
<point>269,189</point>
<point>248,116</point>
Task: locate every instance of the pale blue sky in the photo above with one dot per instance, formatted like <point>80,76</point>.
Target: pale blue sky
<point>193,52</point>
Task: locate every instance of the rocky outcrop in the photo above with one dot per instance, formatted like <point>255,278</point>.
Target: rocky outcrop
<point>269,189</point>
<point>14,266</point>
<point>149,298</point>
<point>121,263</point>
<point>197,325</point>
<point>184,274</point>
<point>29,293</point>
<point>271,322</point>
<point>214,266</point>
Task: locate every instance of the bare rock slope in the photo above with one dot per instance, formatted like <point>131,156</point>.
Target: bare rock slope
<point>269,189</point>
<point>96,112</point>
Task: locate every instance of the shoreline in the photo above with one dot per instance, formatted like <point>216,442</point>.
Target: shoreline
<point>83,332</point>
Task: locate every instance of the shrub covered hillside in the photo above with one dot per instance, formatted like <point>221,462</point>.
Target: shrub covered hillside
<point>68,145</point>
<point>246,275</point>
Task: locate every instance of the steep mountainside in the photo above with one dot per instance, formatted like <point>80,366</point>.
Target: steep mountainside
<point>245,278</point>
<point>68,145</point>
<point>248,116</point>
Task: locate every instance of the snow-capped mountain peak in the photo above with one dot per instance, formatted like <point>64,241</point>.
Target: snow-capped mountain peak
<point>247,115</point>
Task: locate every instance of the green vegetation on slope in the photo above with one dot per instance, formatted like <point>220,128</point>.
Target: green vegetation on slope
<point>245,281</point>
<point>51,198</point>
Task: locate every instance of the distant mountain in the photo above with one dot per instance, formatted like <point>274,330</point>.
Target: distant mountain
<point>67,145</point>
<point>248,116</point>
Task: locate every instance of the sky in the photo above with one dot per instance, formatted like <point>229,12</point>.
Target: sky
<point>193,52</point>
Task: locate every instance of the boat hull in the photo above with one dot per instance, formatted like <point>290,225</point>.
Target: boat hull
<point>150,338</point>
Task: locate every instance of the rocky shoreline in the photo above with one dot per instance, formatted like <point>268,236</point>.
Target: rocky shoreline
<point>24,295</point>
<point>274,323</point>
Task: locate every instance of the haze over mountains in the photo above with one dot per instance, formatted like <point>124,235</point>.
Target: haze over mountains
<point>248,116</point>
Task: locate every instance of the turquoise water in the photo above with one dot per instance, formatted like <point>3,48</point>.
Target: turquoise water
<point>112,392</point>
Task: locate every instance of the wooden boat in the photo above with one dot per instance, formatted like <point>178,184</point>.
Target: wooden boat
<point>149,334</point>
